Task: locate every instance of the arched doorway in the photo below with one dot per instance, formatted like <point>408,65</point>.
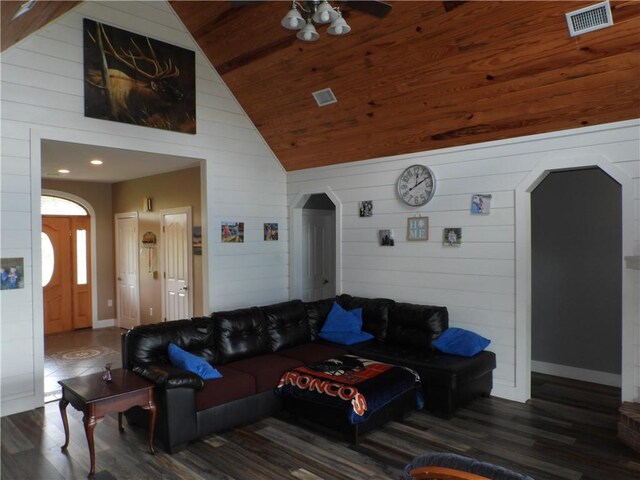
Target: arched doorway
<point>66,265</point>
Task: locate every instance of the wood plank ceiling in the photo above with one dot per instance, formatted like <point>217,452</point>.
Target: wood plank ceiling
<point>431,74</point>
<point>425,77</point>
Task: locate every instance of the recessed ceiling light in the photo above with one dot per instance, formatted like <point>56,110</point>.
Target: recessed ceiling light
<point>96,162</point>
<point>63,170</point>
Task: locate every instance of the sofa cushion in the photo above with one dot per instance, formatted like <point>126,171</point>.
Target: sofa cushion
<point>266,369</point>
<point>346,338</point>
<point>416,325</point>
<point>316,315</point>
<point>240,334</point>
<point>147,344</point>
<point>193,363</point>
<point>312,352</point>
<point>375,313</point>
<point>232,386</point>
<point>287,324</point>
<point>341,320</point>
<point>459,341</point>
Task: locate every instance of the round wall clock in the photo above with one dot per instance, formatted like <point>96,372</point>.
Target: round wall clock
<point>416,185</point>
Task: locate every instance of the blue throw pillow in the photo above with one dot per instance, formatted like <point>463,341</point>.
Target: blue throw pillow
<point>341,320</point>
<point>459,341</point>
<point>345,338</point>
<point>183,359</point>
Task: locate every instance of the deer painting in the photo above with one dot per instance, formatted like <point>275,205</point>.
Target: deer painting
<point>127,80</point>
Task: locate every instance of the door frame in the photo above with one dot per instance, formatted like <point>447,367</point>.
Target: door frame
<point>523,268</point>
<point>163,280</point>
<point>95,323</point>
<point>116,217</point>
<point>295,239</point>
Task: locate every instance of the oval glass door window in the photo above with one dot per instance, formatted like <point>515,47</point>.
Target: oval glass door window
<point>48,260</point>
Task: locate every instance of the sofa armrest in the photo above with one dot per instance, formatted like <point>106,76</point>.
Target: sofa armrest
<point>168,376</point>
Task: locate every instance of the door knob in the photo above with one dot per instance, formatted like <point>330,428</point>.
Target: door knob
<point>325,281</point>
<point>119,279</point>
<point>185,288</point>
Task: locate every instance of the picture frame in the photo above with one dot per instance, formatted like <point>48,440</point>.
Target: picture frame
<point>417,229</point>
<point>365,208</point>
<point>481,204</point>
<point>232,232</point>
<point>197,241</point>
<point>12,273</point>
<point>386,238</point>
<point>452,237</point>
<point>135,79</point>
<point>270,232</point>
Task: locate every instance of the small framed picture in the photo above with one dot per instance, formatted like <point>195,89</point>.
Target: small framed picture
<point>12,272</point>
<point>366,208</point>
<point>197,241</point>
<point>417,229</point>
<point>386,238</point>
<point>481,204</point>
<point>452,237</point>
<point>232,232</point>
<point>270,232</point>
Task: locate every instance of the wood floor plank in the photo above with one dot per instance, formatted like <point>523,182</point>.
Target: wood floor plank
<point>551,437</point>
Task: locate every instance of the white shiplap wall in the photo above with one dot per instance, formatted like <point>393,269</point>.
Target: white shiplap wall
<point>42,97</point>
<point>477,281</point>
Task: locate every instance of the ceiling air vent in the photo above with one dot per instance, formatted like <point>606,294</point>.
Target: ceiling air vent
<point>589,19</point>
<point>324,97</point>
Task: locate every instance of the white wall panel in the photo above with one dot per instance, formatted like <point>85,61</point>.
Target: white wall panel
<point>476,281</point>
<point>42,97</point>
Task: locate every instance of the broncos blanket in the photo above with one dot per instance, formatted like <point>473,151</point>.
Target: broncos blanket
<point>357,385</point>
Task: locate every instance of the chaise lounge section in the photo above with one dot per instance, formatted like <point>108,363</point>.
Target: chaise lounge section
<point>253,347</point>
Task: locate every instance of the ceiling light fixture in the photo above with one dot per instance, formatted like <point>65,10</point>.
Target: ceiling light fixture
<point>316,12</point>
<point>96,162</point>
<point>64,170</point>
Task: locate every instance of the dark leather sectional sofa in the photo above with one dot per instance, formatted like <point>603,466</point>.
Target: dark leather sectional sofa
<point>253,347</point>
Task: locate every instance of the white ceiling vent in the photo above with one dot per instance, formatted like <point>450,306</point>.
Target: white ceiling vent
<point>589,19</point>
<point>324,97</point>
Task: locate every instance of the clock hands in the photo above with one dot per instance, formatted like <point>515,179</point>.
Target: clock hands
<point>423,180</point>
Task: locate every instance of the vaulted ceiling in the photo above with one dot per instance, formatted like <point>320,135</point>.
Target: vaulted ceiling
<point>431,74</point>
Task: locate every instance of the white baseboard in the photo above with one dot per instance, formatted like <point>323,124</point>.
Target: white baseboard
<point>110,322</point>
<point>593,376</point>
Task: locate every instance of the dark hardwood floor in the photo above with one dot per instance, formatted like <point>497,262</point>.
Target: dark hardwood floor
<point>567,431</point>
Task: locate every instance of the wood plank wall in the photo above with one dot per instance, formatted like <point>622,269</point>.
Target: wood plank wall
<point>476,281</point>
<point>423,77</point>
<point>42,93</point>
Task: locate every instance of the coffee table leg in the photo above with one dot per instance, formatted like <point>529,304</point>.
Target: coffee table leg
<point>120,427</point>
<point>63,413</point>
<point>89,425</point>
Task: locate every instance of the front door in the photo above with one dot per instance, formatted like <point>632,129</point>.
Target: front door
<point>56,247</point>
<point>319,254</point>
<point>67,271</point>
<point>127,270</point>
<point>176,261</point>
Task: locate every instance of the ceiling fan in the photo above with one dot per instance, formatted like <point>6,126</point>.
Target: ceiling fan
<point>376,8</point>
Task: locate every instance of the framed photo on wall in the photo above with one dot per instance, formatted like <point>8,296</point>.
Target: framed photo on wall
<point>417,229</point>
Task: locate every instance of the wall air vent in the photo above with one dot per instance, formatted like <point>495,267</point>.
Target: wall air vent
<point>589,19</point>
<point>324,97</point>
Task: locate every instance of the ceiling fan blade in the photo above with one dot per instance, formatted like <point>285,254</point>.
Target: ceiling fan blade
<point>372,7</point>
<point>242,3</point>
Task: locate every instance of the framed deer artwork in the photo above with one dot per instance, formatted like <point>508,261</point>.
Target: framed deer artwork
<point>138,80</point>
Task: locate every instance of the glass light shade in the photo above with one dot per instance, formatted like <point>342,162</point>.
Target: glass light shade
<point>338,27</point>
<point>308,33</point>
<point>293,20</point>
<point>324,13</point>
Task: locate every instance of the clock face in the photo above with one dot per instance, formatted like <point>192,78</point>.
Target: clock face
<point>416,185</point>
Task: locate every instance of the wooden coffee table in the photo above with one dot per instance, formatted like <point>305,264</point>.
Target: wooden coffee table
<point>91,395</point>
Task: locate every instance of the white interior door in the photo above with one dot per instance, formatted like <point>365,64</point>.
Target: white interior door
<point>176,262</point>
<point>318,254</point>
<point>127,297</point>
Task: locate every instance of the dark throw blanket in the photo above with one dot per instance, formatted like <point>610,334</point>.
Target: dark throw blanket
<point>358,386</point>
